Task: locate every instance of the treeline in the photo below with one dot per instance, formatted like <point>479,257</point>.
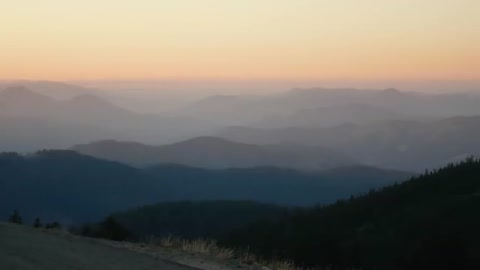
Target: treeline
<point>109,228</point>
<point>185,219</point>
<point>16,218</point>
<point>429,222</point>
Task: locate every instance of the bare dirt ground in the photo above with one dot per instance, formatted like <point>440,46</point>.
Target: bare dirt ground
<point>26,248</point>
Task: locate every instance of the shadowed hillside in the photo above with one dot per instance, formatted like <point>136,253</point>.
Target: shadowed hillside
<point>429,222</point>
<point>191,220</point>
<point>69,187</point>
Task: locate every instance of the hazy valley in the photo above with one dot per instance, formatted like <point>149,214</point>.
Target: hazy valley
<point>279,168</point>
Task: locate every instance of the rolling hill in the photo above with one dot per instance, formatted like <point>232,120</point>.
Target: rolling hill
<point>73,188</point>
<point>217,153</point>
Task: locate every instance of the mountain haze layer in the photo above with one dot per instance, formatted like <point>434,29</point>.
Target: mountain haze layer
<point>404,145</point>
<point>217,153</point>
<point>328,107</point>
<point>81,119</point>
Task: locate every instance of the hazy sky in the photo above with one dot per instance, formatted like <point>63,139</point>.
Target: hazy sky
<point>240,39</point>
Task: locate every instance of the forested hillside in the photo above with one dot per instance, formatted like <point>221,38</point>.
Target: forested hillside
<point>429,222</point>
<point>71,188</point>
<point>189,219</point>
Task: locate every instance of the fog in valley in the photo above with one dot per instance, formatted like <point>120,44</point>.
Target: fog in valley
<point>244,125</point>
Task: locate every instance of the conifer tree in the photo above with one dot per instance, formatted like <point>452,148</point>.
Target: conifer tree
<point>15,218</point>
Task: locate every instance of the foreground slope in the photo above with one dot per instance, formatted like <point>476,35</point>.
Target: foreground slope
<point>429,222</point>
<point>26,248</point>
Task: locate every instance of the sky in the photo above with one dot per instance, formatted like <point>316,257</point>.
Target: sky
<point>240,39</point>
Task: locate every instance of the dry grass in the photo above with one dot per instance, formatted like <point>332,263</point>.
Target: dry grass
<point>282,265</point>
<point>210,248</point>
<point>197,246</point>
<point>206,248</point>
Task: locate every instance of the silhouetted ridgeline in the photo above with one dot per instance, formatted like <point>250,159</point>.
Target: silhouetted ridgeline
<point>217,153</point>
<point>429,222</point>
<point>68,187</point>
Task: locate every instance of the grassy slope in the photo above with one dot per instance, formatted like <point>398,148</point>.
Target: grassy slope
<point>26,248</point>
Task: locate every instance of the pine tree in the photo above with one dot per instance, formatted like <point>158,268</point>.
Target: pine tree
<point>15,218</point>
<point>111,229</point>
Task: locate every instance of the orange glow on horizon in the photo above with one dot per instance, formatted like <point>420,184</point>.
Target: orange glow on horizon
<point>228,39</point>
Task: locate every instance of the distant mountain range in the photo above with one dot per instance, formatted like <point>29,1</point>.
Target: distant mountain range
<point>52,89</point>
<point>33,121</point>
<point>324,107</point>
<point>381,128</point>
<point>405,145</point>
<point>22,102</point>
<point>217,153</point>
<point>132,97</point>
<point>331,116</point>
<point>72,188</point>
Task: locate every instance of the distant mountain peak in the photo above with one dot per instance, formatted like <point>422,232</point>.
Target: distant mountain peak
<point>53,89</point>
<point>21,93</point>
<point>17,90</point>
